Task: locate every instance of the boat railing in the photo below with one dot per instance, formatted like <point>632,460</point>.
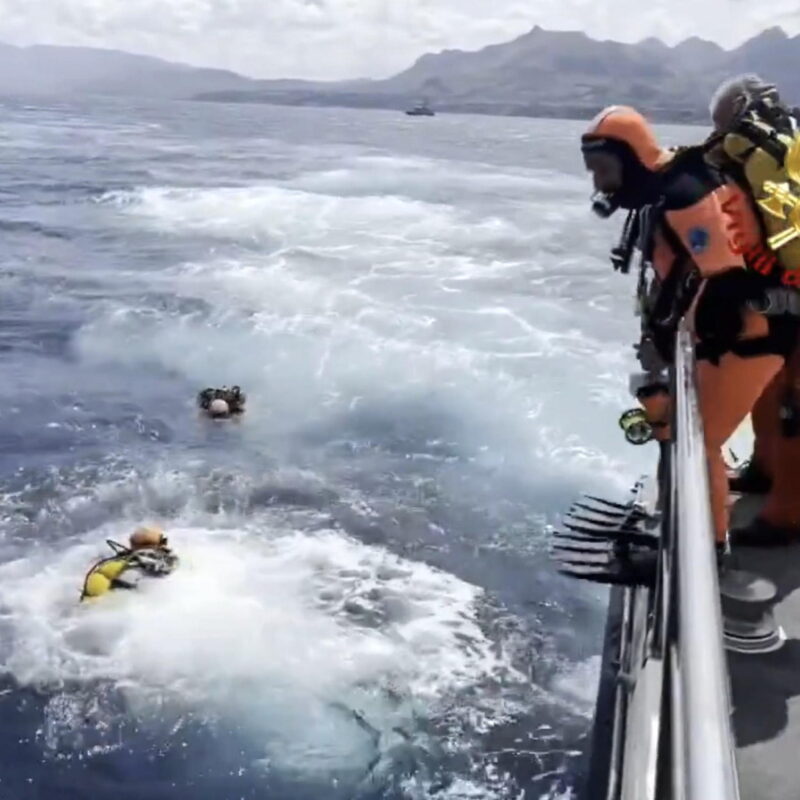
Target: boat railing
<point>663,728</point>
<point>702,753</point>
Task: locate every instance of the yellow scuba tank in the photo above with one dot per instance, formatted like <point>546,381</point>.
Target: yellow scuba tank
<point>101,576</point>
<point>144,560</point>
<point>761,151</point>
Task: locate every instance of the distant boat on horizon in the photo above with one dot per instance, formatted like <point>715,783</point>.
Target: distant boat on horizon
<point>421,110</point>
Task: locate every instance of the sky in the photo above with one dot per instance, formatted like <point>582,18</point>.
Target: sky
<point>336,39</point>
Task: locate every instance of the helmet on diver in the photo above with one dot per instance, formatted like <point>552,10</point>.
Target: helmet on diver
<point>219,408</point>
<point>624,134</point>
<point>733,97</point>
<point>147,536</point>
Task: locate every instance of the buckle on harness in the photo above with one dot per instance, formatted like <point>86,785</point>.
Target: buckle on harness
<point>777,302</point>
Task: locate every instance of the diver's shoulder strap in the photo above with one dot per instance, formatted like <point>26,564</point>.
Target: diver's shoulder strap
<point>764,138</point>
<point>676,290</point>
<point>622,254</point>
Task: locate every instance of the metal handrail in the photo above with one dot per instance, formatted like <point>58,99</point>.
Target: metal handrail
<point>703,708</point>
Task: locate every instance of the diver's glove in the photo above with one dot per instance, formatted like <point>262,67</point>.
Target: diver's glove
<point>719,318</point>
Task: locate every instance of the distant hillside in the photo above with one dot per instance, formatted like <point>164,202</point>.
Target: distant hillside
<point>554,73</point>
<point>542,73</point>
<point>46,69</point>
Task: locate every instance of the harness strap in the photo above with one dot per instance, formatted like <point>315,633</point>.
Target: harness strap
<point>767,141</point>
<point>778,302</point>
<point>773,344</point>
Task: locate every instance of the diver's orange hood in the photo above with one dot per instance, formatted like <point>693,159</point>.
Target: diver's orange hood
<point>626,124</point>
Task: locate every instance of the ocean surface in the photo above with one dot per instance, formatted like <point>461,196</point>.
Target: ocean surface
<point>435,352</point>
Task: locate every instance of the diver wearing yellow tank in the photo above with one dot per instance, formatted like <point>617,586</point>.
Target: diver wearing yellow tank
<point>147,554</point>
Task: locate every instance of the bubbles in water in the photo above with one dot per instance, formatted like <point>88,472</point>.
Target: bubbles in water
<point>422,332</point>
<point>319,646</point>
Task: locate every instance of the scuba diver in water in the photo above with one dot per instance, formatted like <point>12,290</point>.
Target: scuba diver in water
<point>147,554</point>
<point>221,403</point>
<point>692,226</point>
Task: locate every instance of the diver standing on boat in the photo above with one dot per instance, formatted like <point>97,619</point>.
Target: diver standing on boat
<point>753,139</point>
<point>774,468</point>
<point>680,221</point>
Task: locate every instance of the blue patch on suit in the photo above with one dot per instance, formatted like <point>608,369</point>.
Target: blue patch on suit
<point>698,240</point>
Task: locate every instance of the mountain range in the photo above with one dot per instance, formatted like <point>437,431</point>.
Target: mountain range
<point>541,73</point>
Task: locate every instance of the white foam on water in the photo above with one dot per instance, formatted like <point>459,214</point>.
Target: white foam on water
<point>481,289</point>
<point>358,295</point>
<point>282,633</point>
<point>435,179</point>
<point>569,794</point>
<point>272,213</point>
<point>578,684</point>
<point>461,789</point>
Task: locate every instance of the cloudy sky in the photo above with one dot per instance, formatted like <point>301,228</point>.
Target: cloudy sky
<point>365,38</point>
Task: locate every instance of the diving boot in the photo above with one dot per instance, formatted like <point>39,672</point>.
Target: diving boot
<point>750,480</point>
<point>760,533</point>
